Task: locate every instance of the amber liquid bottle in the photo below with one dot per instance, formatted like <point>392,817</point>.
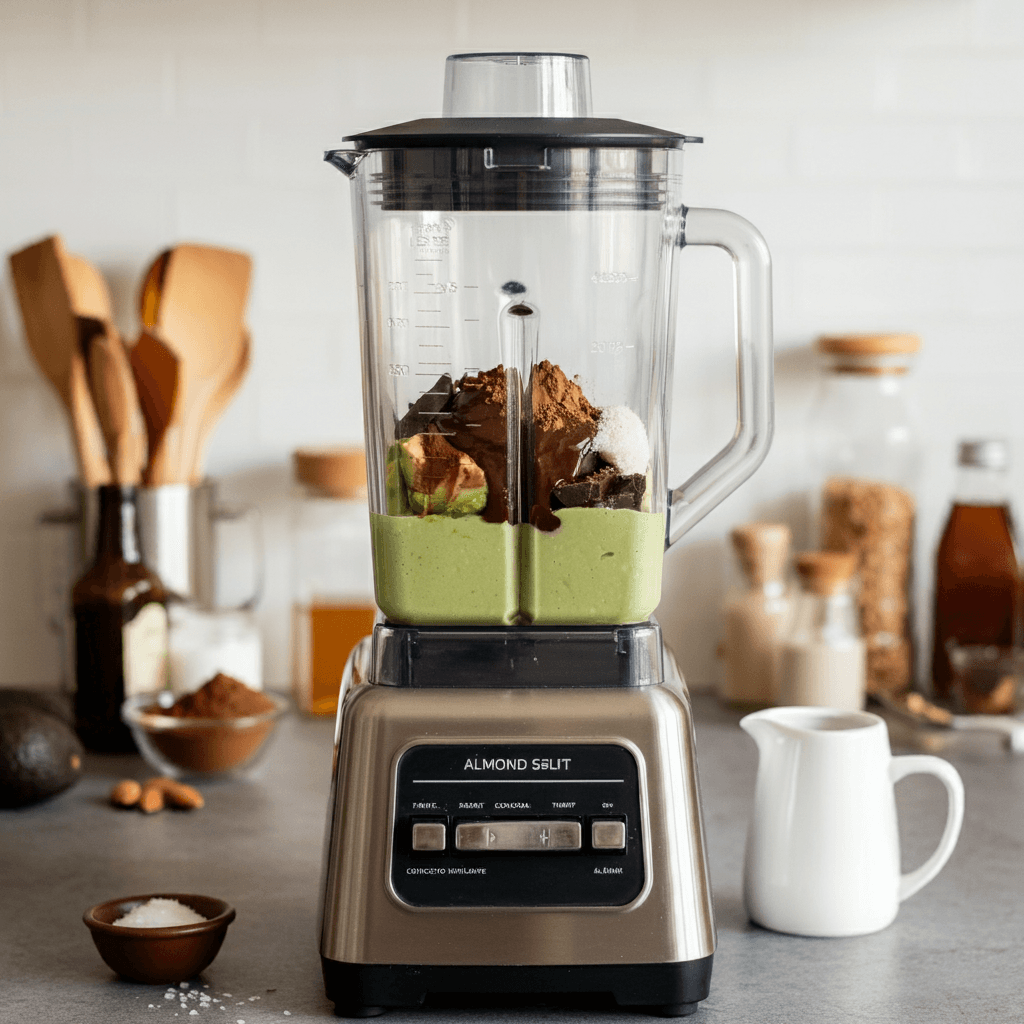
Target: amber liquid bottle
<point>977,578</point>
<point>120,613</point>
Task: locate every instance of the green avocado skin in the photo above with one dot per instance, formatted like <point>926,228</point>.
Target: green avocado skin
<point>39,756</point>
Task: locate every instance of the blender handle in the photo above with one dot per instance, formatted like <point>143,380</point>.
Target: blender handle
<point>755,417</point>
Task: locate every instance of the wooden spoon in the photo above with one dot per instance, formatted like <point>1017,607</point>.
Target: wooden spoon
<point>52,333</point>
<point>157,374</point>
<point>226,391</point>
<point>87,289</point>
<point>199,310</point>
<point>117,403</point>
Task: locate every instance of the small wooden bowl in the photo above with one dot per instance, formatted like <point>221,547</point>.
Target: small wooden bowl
<point>159,956</point>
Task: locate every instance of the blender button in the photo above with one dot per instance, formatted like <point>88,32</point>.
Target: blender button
<point>428,836</point>
<point>608,835</point>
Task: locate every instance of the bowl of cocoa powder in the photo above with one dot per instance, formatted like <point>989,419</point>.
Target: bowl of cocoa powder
<point>223,729</point>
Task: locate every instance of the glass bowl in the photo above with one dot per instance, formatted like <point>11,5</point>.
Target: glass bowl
<point>200,748</point>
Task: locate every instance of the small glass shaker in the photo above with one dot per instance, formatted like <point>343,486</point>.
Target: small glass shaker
<point>823,660</point>
<point>755,616</point>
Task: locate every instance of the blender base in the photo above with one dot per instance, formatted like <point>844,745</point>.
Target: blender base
<point>663,990</point>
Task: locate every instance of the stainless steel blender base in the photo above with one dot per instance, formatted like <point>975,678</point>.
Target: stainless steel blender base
<point>404,920</point>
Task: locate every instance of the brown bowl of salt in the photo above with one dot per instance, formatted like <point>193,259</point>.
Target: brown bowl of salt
<point>161,938</point>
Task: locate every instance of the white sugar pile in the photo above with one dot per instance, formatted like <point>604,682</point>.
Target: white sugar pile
<point>622,440</point>
<point>159,913</point>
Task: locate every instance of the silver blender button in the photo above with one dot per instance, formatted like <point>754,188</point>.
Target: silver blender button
<point>428,836</point>
<point>519,836</point>
<point>608,835</point>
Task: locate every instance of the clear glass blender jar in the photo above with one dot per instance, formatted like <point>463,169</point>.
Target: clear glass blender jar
<point>516,275</point>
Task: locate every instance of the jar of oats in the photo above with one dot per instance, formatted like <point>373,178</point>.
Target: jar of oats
<point>867,454</point>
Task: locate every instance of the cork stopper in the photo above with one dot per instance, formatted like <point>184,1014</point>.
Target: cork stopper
<point>762,550</point>
<point>825,572</point>
<point>869,344</point>
<point>869,353</point>
<point>338,472</point>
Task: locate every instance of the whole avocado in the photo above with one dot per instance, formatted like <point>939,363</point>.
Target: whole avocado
<point>39,756</point>
<point>48,701</point>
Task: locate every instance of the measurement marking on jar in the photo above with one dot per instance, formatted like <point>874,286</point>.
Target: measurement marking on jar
<point>427,259</point>
<point>471,286</point>
<point>425,362</point>
<point>471,321</point>
<point>433,327</point>
<point>430,344</point>
<point>428,311</point>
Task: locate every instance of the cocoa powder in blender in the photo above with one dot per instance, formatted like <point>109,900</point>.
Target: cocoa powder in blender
<point>478,426</point>
<point>563,421</point>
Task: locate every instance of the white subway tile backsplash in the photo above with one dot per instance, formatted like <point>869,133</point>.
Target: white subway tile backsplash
<point>998,23</point>
<point>51,81</point>
<point>877,144</point>
<point>884,148</point>
<point>983,84</point>
<point>151,24</point>
<point>951,218</point>
<point>856,291</point>
<point>776,81</point>
<point>993,150</point>
<point>40,22</point>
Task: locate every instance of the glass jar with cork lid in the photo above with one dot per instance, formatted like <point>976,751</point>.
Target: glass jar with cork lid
<point>332,571</point>
<point>867,453</point>
<point>755,616</point>
<point>822,658</point>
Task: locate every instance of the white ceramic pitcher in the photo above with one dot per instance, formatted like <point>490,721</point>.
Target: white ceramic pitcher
<point>823,854</point>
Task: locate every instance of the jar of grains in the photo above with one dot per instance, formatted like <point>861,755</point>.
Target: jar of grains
<point>867,454</point>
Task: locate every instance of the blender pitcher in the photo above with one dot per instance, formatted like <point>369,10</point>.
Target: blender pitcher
<point>517,286</point>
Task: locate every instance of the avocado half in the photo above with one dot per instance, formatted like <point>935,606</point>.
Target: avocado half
<point>39,756</point>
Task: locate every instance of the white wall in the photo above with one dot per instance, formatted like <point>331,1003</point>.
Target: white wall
<point>878,144</point>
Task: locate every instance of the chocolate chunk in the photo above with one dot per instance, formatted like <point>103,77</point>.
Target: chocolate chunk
<point>603,489</point>
<point>427,409</point>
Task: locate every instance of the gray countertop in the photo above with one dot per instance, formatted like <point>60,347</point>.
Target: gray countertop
<point>953,954</point>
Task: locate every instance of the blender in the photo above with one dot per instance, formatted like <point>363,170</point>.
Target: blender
<point>514,805</point>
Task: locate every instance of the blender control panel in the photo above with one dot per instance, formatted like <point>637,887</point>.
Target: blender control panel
<point>517,825</point>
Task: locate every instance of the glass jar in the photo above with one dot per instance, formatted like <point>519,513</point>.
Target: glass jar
<point>332,572</point>
<point>755,615</point>
<point>822,658</point>
<point>867,454</point>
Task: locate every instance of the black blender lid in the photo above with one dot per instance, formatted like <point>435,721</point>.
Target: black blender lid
<point>461,132</point>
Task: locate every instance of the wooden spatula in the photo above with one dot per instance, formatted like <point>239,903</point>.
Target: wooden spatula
<point>157,370</point>
<point>52,333</point>
<point>117,402</point>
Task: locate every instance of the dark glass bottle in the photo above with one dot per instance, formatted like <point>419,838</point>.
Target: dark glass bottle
<point>977,578</point>
<point>120,611</point>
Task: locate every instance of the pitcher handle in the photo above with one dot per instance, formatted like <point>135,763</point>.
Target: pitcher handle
<point>925,764</point>
<point>755,420</point>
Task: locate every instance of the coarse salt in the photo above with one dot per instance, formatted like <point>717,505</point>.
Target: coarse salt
<point>159,913</point>
<point>622,440</point>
